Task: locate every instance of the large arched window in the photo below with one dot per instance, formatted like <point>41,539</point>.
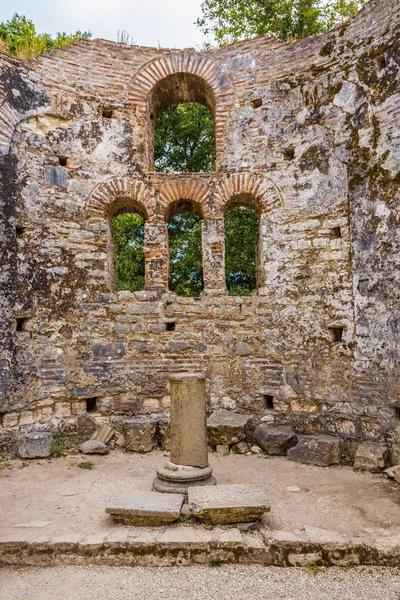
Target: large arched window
<point>185,249</point>
<point>242,225</point>
<point>181,122</point>
<point>126,222</point>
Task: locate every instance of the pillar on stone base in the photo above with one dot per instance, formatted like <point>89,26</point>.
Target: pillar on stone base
<point>156,256</point>
<point>188,464</point>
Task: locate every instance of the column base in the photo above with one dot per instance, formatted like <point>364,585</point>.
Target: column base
<point>178,479</point>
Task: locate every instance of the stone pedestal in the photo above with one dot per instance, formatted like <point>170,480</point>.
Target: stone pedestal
<point>188,438</point>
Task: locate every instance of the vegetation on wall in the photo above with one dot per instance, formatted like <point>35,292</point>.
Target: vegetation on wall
<point>227,20</point>
<point>186,265</point>
<point>241,239</point>
<point>19,37</point>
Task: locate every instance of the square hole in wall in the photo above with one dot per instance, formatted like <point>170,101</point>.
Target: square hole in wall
<point>20,323</point>
<point>288,153</point>
<point>63,161</point>
<point>380,62</point>
<point>256,103</point>
<point>107,112</point>
<point>170,326</point>
<point>91,405</point>
<point>19,232</point>
<point>397,413</point>
<point>336,232</point>
<point>337,334</point>
<point>269,402</point>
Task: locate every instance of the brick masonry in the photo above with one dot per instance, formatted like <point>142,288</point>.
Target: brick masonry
<point>308,132</point>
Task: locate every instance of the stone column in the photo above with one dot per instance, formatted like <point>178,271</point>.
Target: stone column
<point>213,243</point>
<point>156,256</point>
<point>188,464</point>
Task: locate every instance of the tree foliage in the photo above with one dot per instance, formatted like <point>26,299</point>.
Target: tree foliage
<point>186,266</point>
<point>241,239</point>
<point>229,20</point>
<point>19,37</point>
<point>184,139</point>
<point>128,232</point>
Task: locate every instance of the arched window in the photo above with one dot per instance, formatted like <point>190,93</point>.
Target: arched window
<point>242,224</point>
<point>127,235</point>
<point>181,121</point>
<point>185,249</point>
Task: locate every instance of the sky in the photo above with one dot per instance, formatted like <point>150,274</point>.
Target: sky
<point>168,23</point>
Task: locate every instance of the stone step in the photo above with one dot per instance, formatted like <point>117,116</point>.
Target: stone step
<point>148,509</point>
<point>224,504</point>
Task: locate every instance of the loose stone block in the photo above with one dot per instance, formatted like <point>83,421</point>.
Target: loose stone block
<point>224,504</point>
<point>188,433</point>
<point>372,457</point>
<point>104,434</point>
<point>275,440</point>
<point>321,450</point>
<point>94,447</point>
<point>140,434</point>
<point>36,444</point>
<point>148,509</point>
<point>226,427</point>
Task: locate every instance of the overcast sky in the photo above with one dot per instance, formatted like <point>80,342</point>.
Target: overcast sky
<point>169,23</point>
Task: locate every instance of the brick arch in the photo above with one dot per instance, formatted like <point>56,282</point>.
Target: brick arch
<point>211,72</point>
<point>106,193</point>
<point>184,189</point>
<point>261,189</point>
<point>9,117</point>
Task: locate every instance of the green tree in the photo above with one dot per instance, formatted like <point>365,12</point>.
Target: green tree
<point>184,139</point>
<point>186,267</point>
<point>128,232</point>
<point>241,238</point>
<point>19,37</point>
<point>229,20</point>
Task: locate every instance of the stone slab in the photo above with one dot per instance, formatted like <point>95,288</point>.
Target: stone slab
<point>36,444</point>
<point>224,504</point>
<point>321,450</point>
<point>146,509</point>
<point>226,427</point>
<point>372,457</point>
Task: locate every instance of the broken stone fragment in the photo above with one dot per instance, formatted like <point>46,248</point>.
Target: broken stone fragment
<point>222,449</point>
<point>223,504</point>
<point>104,434</point>
<point>321,450</point>
<point>148,509</point>
<point>393,473</point>
<point>140,434</point>
<point>94,447</point>
<point>226,427</point>
<point>275,440</point>
<point>240,448</point>
<point>163,431</point>
<point>36,444</point>
<point>372,457</point>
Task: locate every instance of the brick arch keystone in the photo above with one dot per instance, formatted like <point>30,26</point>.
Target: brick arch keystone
<point>184,189</point>
<point>262,189</point>
<point>196,64</point>
<point>104,194</point>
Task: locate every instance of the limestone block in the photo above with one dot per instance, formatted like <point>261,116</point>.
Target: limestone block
<point>149,509</point>
<point>104,434</point>
<point>226,427</point>
<point>140,434</point>
<point>224,504</point>
<point>372,457</point>
<point>275,440</point>
<point>393,473</point>
<point>188,420</point>
<point>36,444</point>
<point>321,450</point>
<point>94,447</point>
<point>10,420</point>
<point>163,430</point>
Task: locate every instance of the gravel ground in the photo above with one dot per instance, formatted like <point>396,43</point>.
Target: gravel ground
<point>198,583</point>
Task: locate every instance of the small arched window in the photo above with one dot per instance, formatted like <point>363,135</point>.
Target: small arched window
<point>242,225</point>
<point>127,235</point>
<point>181,122</point>
<point>185,248</point>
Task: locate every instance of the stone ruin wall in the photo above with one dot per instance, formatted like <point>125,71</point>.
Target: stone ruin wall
<point>321,152</point>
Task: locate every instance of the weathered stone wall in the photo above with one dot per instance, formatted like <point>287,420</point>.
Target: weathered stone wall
<point>318,153</point>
